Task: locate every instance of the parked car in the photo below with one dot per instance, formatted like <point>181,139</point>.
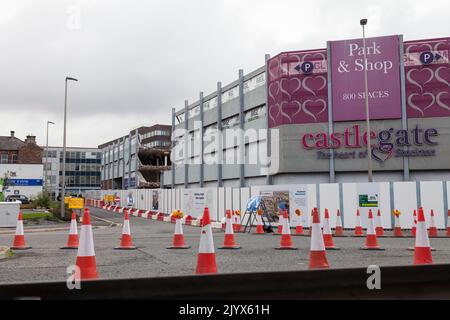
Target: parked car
<point>20,198</point>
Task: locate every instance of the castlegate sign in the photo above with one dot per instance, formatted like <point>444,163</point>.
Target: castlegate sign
<point>418,142</point>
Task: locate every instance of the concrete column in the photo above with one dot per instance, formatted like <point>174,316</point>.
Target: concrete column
<point>241,147</point>
<point>406,175</point>
<point>172,147</point>
<point>123,163</point>
<point>220,142</point>
<point>269,178</point>
<point>330,113</point>
<point>202,143</point>
<point>187,144</point>
<point>136,159</point>
<point>129,160</point>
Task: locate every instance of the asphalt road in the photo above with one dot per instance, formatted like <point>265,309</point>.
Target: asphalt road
<point>46,262</point>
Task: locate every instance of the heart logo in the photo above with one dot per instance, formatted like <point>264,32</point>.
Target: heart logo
<point>381,155</point>
<point>316,84</point>
<point>439,101</point>
<point>318,104</point>
<point>284,114</point>
<point>275,108</point>
<point>291,85</point>
<point>274,90</point>
<point>420,103</point>
<point>419,48</point>
<point>441,78</point>
<point>420,77</point>
<point>313,57</point>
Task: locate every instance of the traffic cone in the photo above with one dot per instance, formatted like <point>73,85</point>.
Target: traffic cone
<point>259,224</point>
<point>339,230</point>
<point>379,227</point>
<point>299,228</point>
<point>229,241</point>
<point>237,222</point>
<point>358,228</point>
<point>318,255</point>
<point>72,243</point>
<point>126,242</point>
<point>19,238</point>
<point>280,223</point>
<point>433,232</point>
<point>206,261</point>
<point>327,234</point>
<point>86,253</point>
<point>178,237</point>
<point>422,248</point>
<point>286,238</point>
<point>371,239</point>
<point>414,227</point>
<point>448,224</point>
<point>397,228</point>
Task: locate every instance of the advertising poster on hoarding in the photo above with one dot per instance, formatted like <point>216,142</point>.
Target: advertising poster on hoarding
<point>368,199</point>
<point>290,198</point>
<point>383,72</point>
<point>300,201</point>
<point>195,201</point>
<point>274,202</point>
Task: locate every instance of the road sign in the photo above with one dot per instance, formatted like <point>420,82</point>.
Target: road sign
<point>76,203</point>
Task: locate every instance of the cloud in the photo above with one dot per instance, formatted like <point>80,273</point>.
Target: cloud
<point>137,59</point>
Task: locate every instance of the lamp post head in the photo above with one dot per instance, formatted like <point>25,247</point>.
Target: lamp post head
<point>71,79</point>
<point>50,122</point>
<point>363,22</point>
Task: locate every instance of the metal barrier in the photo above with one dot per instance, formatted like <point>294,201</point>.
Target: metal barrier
<point>410,282</point>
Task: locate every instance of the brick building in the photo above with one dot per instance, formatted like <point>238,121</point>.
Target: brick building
<point>15,151</point>
<point>21,164</point>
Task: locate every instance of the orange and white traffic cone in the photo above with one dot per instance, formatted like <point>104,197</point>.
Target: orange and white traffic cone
<point>286,238</point>
<point>237,222</point>
<point>317,255</point>
<point>433,232</point>
<point>339,230</point>
<point>72,243</point>
<point>371,239</point>
<point>422,247</point>
<point>379,227</point>
<point>206,261</point>
<point>299,228</point>
<point>397,227</point>
<point>126,242</point>
<point>280,223</point>
<point>327,234</point>
<point>19,238</point>
<point>448,224</point>
<point>229,241</point>
<point>178,237</point>
<point>414,227</point>
<point>259,224</point>
<point>86,253</point>
<point>358,228</point>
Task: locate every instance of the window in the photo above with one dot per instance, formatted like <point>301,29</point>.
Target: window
<point>4,158</point>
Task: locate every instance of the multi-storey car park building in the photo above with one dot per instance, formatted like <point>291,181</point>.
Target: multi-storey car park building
<point>317,128</point>
<point>136,160</point>
<point>83,168</point>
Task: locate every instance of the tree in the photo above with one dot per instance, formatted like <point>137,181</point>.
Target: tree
<point>5,182</point>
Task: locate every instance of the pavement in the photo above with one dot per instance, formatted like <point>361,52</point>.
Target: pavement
<point>46,262</point>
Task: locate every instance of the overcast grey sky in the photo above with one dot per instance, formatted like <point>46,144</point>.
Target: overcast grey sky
<point>137,59</point>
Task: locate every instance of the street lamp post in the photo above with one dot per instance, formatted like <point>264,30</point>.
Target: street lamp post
<point>46,158</point>
<point>63,182</point>
<point>363,23</point>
